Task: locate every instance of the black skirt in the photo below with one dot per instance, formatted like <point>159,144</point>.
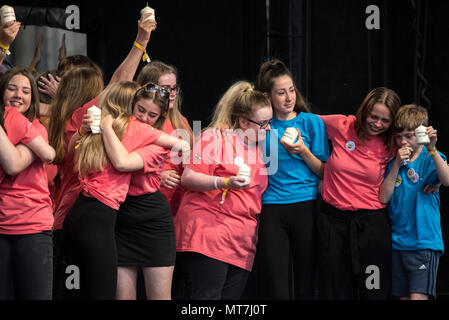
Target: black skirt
<point>144,232</point>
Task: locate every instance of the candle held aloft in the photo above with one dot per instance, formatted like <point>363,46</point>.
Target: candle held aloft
<point>7,14</point>
<point>147,10</point>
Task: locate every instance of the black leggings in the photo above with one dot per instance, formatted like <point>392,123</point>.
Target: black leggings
<point>285,262</point>
<point>26,265</point>
<point>90,245</point>
<point>209,279</point>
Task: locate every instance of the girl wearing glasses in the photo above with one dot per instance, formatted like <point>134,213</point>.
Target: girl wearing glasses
<point>167,76</point>
<point>287,222</point>
<point>216,224</point>
<point>89,225</point>
<point>25,207</point>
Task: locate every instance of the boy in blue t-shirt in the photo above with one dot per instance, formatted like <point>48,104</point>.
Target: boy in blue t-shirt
<point>415,215</point>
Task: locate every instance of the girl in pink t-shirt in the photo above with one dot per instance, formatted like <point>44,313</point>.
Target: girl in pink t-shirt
<point>25,206</point>
<point>89,225</point>
<point>216,224</point>
<point>353,227</point>
<point>175,123</point>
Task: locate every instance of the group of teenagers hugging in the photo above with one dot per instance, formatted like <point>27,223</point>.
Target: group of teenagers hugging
<point>351,195</point>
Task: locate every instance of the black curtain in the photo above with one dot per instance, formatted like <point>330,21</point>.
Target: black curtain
<point>335,59</point>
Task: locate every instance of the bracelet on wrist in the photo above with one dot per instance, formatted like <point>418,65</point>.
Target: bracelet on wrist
<point>145,56</point>
<point>215,183</point>
<point>432,151</point>
<point>4,49</point>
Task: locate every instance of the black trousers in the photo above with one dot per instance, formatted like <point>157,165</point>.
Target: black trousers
<point>26,266</point>
<point>209,279</point>
<point>354,254</point>
<point>89,244</point>
<point>285,262</point>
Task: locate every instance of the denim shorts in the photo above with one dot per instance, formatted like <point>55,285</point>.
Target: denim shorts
<point>414,272</point>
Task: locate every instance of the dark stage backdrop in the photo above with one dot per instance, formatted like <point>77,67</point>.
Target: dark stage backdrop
<point>335,59</point>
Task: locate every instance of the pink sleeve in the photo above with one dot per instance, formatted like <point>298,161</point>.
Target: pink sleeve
<point>19,128</point>
<point>334,124</point>
<point>153,157</point>
<point>139,135</point>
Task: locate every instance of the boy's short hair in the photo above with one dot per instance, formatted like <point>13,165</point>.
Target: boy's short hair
<point>410,117</point>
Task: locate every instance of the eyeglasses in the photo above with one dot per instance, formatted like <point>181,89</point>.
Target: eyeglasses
<point>262,125</point>
<point>175,89</point>
<point>152,87</point>
<point>163,92</point>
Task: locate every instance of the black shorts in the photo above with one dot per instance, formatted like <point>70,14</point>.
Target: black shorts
<point>144,232</point>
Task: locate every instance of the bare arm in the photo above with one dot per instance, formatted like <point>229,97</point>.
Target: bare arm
<point>14,159</point>
<point>389,183</point>
<point>198,181</point>
<point>125,161</point>
<point>42,149</point>
<point>127,69</point>
<point>8,33</point>
<point>441,166</point>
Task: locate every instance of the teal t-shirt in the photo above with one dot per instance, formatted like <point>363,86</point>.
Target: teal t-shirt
<point>415,215</point>
<point>293,181</point>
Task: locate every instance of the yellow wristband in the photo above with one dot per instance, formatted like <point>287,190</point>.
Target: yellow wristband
<point>432,152</point>
<point>33,69</point>
<point>145,56</point>
<point>223,196</point>
<point>4,47</point>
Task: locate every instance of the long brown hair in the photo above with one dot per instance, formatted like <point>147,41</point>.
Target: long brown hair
<point>33,111</point>
<point>117,100</point>
<point>77,87</point>
<point>384,96</point>
<point>271,70</point>
<point>159,100</point>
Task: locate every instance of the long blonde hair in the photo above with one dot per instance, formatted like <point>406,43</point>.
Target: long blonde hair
<point>117,101</point>
<point>77,87</point>
<point>237,102</point>
<point>151,73</point>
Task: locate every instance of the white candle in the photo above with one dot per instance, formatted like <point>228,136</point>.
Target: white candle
<point>147,10</point>
<point>290,135</point>
<point>244,171</point>
<point>421,136</point>
<point>7,14</point>
<point>95,114</point>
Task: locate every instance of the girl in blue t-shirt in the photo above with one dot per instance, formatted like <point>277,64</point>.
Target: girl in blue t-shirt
<point>415,215</point>
<point>286,242</point>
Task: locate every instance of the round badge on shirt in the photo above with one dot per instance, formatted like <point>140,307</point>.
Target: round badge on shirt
<point>350,146</point>
<point>414,178</point>
<point>398,182</point>
<point>410,173</point>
